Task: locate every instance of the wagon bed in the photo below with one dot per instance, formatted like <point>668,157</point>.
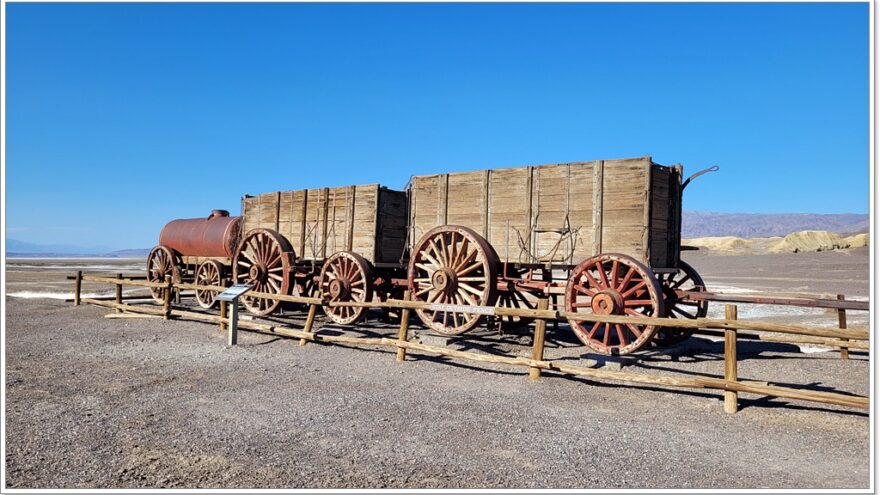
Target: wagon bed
<point>560,213</point>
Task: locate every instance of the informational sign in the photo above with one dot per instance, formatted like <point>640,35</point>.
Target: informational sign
<point>233,292</point>
<point>460,308</point>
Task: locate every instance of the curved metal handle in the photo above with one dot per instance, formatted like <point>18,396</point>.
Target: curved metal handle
<point>713,168</point>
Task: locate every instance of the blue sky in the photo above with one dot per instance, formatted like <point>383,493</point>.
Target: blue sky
<point>121,117</point>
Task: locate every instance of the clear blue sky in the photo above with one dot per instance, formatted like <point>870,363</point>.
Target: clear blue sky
<point>123,116</point>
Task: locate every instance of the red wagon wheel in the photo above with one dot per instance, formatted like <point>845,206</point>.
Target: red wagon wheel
<point>346,277</point>
<point>162,261</point>
<point>452,265</point>
<point>613,284</point>
<point>209,273</point>
<point>263,261</point>
<point>686,279</point>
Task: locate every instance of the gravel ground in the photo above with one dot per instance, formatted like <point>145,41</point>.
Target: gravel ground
<point>143,403</point>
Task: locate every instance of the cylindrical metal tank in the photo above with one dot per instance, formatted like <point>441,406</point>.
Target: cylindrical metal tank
<point>216,235</point>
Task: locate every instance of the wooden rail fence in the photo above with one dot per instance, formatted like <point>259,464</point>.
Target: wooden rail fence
<point>842,337</point>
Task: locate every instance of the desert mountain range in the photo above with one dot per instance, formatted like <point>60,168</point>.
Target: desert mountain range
<point>748,225</point>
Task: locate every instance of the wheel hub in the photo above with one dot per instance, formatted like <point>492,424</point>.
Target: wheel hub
<point>443,279</point>
<point>607,302</point>
<point>257,273</point>
<point>339,288</point>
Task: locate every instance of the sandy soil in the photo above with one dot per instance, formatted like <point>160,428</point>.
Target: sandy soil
<point>95,402</point>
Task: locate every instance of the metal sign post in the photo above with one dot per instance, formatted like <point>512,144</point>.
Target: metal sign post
<point>231,296</point>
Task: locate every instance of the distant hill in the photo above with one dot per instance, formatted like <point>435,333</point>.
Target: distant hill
<point>16,248</point>
<point>747,225</point>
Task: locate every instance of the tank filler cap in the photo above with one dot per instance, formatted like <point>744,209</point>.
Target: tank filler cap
<point>219,213</point>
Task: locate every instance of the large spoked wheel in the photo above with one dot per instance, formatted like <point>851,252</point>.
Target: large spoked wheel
<point>345,277</point>
<point>263,261</point>
<point>208,273</point>
<point>162,261</point>
<point>686,279</point>
<point>452,265</point>
<point>613,284</point>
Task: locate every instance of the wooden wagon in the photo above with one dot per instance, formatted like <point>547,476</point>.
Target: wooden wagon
<point>604,235</point>
<point>608,231</point>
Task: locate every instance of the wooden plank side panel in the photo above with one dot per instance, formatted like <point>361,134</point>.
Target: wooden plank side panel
<point>550,195</point>
<point>290,219</point>
<point>508,213</point>
<point>391,226</point>
<point>665,233</point>
<point>268,210</point>
<point>362,232</point>
<point>250,213</point>
<point>580,191</point>
<point>660,217</point>
<point>465,200</point>
<point>625,207</point>
<point>314,224</point>
<point>425,204</point>
<point>339,200</point>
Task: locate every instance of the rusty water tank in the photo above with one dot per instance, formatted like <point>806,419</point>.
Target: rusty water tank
<point>216,235</point>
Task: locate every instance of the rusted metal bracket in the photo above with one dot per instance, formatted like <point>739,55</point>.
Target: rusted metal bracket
<point>713,168</point>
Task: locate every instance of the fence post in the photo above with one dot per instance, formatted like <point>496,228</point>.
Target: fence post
<point>222,315</point>
<point>119,292</point>
<point>167,299</point>
<point>730,396</point>
<point>538,340</point>
<point>841,323</point>
<point>310,322</point>
<point>403,331</point>
<point>77,287</point>
<point>232,337</point>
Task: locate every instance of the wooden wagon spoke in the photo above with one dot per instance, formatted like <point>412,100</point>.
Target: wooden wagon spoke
<point>626,279</point>
<point>470,289</point>
<point>620,334</point>
<point>638,302</point>
<point>593,282</point>
<point>615,266</point>
<point>584,290</point>
<point>641,285</point>
<point>602,275</point>
<point>467,260</point>
<point>462,272</point>
<point>467,297</point>
<point>681,281</point>
<point>682,312</point>
<point>428,268</point>
<point>634,329</point>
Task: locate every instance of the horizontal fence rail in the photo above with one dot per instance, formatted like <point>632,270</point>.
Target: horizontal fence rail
<point>845,338</point>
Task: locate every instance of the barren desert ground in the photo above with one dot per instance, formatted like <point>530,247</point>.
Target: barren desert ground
<point>93,402</point>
